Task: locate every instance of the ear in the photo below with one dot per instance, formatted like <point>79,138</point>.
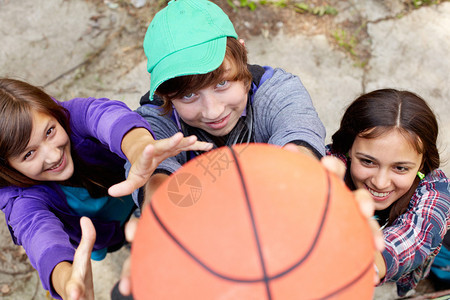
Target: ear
<point>422,164</point>
<point>242,42</point>
<point>347,155</point>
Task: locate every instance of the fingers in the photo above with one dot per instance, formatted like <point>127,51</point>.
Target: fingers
<point>125,280</point>
<point>130,229</point>
<point>334,165</point>
<point>376,275</point>
<point>169,144</point>
<point>367,208</point>
<point>188,143</point>
<point>377,234</point>
<point>151,157</point>
<point>74,291</point>
<point>177,143</point>
<point>199,146</point>
<point>365,202</point>
<point>292,147</point>
<point>123,188</point>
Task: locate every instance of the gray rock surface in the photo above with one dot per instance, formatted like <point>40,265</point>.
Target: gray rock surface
<point>93,48</point>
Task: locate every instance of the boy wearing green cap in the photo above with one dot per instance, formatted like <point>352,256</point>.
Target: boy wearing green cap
<point>202,85</point>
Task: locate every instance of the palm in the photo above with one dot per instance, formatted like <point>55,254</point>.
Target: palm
<point>151,156</point>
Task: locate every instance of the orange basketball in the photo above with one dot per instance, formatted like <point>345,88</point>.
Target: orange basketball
<point>252,222</point>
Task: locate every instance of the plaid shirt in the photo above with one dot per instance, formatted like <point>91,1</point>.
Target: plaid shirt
<point>415,237</point>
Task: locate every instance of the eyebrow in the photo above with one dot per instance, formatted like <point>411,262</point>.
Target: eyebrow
<point>226,72</point>
<point>396,163</point>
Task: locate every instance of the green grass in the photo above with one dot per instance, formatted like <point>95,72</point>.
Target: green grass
<point>243,3</point>
<point>419,3</point>
<point>316,10</point>
<point>302,7</point>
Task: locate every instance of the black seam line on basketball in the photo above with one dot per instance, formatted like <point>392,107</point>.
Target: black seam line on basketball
<point>241,280</point>
<point>252,218</point>
<point>189,253</point>
<point>349,284</point>
<point>318,232</point>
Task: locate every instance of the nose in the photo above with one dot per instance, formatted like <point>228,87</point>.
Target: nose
<point>52,153</point>
<point>381,180</point>
<point>212,107</point>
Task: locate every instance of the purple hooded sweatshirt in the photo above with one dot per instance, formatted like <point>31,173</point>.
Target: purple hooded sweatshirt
<point>39,217</point>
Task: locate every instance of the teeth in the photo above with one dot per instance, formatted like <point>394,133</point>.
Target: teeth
<point>218,121</point>
<point>55,167</point>
<point>376,194</point>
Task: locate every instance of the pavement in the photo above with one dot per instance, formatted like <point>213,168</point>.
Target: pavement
<point>90,48</point>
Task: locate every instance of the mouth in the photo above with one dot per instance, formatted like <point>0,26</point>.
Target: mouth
<point>378,196</point>
<point>219,124</point>
<point>59,165</point>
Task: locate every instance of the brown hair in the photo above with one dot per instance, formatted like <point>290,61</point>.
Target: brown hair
<point>380,111</point>
<point>177,87</point>
<point>18,100</point>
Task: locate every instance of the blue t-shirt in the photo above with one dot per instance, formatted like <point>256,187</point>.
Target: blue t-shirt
<point>104,208</point>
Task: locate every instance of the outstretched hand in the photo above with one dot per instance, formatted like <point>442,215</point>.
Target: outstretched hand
<point>80,285</point>
<point>150,157</point>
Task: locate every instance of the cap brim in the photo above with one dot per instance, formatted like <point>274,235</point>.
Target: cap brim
<point>199,59</point>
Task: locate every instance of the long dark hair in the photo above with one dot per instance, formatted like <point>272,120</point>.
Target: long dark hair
<point>18,100</point>
<point>380,111</point>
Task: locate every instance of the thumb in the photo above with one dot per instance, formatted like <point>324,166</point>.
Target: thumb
<point>79,285</point>
<point>88,236</point>
<point>139,174</point>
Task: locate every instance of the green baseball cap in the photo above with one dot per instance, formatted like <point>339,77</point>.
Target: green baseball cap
<point>187,37</point>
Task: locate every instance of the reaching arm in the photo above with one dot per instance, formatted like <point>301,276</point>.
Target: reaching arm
<point>416,235</point>
<point>73,281</point>
<point>145,154</point>
<point>380,264</point>
<point>286,113</point>
<point>130,229</point>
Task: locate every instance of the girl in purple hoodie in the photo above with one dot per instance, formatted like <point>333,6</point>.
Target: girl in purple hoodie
<point>64,160</point>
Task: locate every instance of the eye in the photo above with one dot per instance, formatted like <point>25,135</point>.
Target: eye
<point>50,131</point>
<point>222,84</point>
<point>366,162</point>
<point>401,169</point>
<point>188,96</point>
<point>28,155</point>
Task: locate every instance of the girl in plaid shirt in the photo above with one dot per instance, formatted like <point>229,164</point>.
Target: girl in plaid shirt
<point>387,139</point>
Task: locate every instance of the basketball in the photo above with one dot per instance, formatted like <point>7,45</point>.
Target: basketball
<point>252,222</point>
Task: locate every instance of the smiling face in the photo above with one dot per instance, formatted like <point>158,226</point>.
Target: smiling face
<point>47,156</point>
<point>386,166</point>
<point>217,108</point>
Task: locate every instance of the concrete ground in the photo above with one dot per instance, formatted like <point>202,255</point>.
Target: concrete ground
<point>93,48</point>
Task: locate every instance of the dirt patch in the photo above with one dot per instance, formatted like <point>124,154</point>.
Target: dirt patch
<point>123,47</point>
